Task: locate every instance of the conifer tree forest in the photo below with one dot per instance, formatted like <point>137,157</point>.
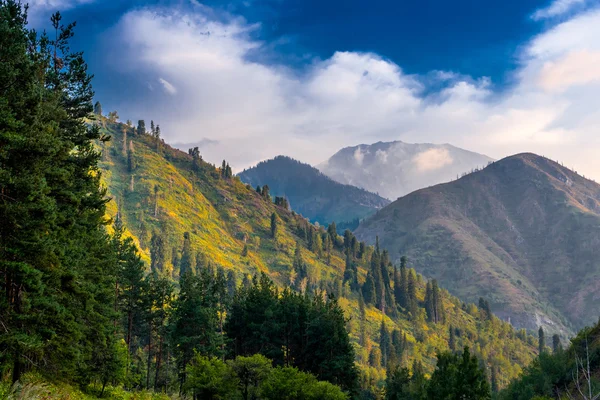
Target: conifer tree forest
<point>129,269</point>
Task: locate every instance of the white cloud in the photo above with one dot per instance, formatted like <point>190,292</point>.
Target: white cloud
<point>256,110</point>
<point>359,156</point>
<point>382,156</point>
<point>169,88</point>
<point>432,159</point>
<point>557,8</point>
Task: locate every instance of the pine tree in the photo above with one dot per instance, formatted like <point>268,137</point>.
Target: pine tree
<point>556,345</point>
<point>131,284</point>
<point>158,252</point>
<point>398,341</point>
<point>141,127</point>
<point>412,292</point>
<point>362,313</point>
<point>458,377</point>
<point>402,296</point>
<point>429,307</point>
<point>266,192</point>
<point>368,289</point>
<point>274,225</point>
<point>195,321</point>
<point>187,255</point>
<point>157,137</point>
<point>385,344</point>
<point>541,341</point>
<point>57,268</point>
<point>484,306</point>
<point>451,339</point>
<point>98,108</point>
<point>231,284</point>
<point>438,305</point>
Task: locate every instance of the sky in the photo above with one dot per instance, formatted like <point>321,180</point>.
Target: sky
<point>251,79</point>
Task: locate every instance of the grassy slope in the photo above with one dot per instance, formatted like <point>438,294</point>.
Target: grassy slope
<point>224,214</point>
<point>521,232</point>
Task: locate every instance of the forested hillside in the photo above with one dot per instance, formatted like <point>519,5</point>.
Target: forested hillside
<point>129,269</point>
<point>523,231</point>
<point>571,373</point>
<point>187,213</point>
<point>311,193</point>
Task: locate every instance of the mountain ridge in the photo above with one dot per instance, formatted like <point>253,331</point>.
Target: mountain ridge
<point>493,231</point>
<point>312,193</point>
<point>394,169</point>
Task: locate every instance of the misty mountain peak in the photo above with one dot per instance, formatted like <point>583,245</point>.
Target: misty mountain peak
<point>393,169</point>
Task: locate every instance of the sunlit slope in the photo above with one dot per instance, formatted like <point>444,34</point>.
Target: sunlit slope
<point>229,225</point>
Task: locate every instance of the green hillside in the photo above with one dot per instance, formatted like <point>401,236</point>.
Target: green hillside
<point>230,226</point>
<point>571,373</point>
<point>523,232</point>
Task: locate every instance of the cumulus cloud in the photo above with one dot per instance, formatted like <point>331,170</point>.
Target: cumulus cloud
<point>557,8</point>
<point>432,159</point>
<point>256,110</point>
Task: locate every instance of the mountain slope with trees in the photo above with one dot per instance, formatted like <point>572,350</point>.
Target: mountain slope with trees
<point>130,269</point>
<point>312,194</point>
<point>184,213</point>
<point>523,232</point>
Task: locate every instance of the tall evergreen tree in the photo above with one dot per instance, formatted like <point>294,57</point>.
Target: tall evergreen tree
<point>451,339</point>
<point>141,127</point>
<point>187,255</point>
<point>458,377</point>
<point>57,270</point>
<point>274,225</point>
<point>368,289</point>
<point>385,344</point>
<point>541,341</point>
<point>158,252</point>
<point>195,322</point>
<point>412,292</point>
<point>362,314</point>
<point>556,345</point>
<point>98,108</point>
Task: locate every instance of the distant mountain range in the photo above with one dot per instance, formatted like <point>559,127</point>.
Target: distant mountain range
<point>394,169</point>
<point>524,233</point>
<point>311,193</point>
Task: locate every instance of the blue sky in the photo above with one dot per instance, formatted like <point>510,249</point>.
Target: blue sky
<point>251,79</point>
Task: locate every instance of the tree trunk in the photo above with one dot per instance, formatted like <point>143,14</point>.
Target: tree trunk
<point>17,367</point>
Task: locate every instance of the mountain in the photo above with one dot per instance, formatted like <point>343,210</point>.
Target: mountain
<point>523,232</point>
<point>159,191</point>
<point>311,193</point>
<point>394,169</point>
